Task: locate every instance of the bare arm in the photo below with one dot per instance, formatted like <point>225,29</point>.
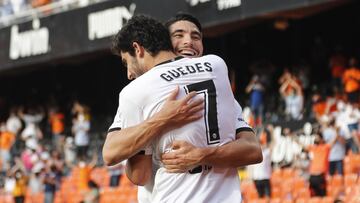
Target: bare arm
<point>249,87</point>
<point>243,151</point>
<point>125,143</point>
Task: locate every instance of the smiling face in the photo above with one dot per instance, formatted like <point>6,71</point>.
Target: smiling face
<point>186,39</point>
<point>134,68</point>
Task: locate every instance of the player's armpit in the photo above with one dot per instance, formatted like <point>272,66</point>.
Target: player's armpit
<point>139,169</point>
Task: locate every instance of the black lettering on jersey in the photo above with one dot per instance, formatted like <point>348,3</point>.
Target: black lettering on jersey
<point>166,77</point>
<point>197,169</point>
<point>208,65</point>
<point>174,73</point>
<point>191,69</point>
<point>180,69</point>
<point>199,67</point>
<point>188,69</point>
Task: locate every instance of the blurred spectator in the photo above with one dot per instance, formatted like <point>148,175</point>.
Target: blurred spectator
<point>69,152</point>
<point>351,80</point>
<point>319,155</point>
<point>13,123</point>
<point>56,160</point>
<point>93,194</point>
<point>21,180</point>
<point>285,147</point>
<point>256,90</point>
<point>115,173</point>
<point>337,152</point>
<point>292,93</point>
<point>85,171</point>
<point>29,155</point>
<point>261,172</point>
<point>32,117</point>
<point>5,8</point>
<point>38,3</point>
<point>7,139</point>
<point>80,129</point>
<point>51,182</point>
<point>36,178</point>
<point>18,5</point>
<point>56,120</point>
<point>347,119</point>
<point>353,125</point>
<point>337,65</point>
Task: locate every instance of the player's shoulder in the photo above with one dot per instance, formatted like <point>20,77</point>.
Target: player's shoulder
<point>212,57</point>
<point>131,89</point>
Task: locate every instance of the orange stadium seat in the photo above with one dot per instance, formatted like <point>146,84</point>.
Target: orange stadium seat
<point>248,190</point>
<point>303,193</point>
<point>261,200</point>
<point>302,200</point>
<point>276,177</point>
<point>100,176</point>
<point>287,201</point>
<point>275,200</point>
<point>301,187</point>
<point>288,173</point>
<point>315,200</point>
<point>348,165</point>
<point>337,180</point>
<point>275,192</point>
<point>287,188</point>
<point>327,200</point>
<point>350,179</point>
<point>6,198</point>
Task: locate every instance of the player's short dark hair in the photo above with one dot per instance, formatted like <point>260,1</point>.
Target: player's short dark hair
<point>185,17</point>
<point>145,30</point>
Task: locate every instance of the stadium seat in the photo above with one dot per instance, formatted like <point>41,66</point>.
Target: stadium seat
<point>275,200</point>
<point>350,179</point>
<point>248,190</point>
<point>287,201</point>
<point>302,200</point>
<point>276,177</point>
<point>303,193</point>
<point>337,180</point>
<point>327,200</point>
<point>301,187</point>
<point>275,192</point>
<point>100,176</point>
<point>288,173</point>
<point>6,198</point>
<point>314,200</point>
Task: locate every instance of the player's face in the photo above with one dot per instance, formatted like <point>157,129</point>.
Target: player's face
<point>134,69</point>
<point>186,39</point>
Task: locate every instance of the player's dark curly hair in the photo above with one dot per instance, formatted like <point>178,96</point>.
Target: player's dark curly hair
<point>183,16</point>
<point>146,31</point>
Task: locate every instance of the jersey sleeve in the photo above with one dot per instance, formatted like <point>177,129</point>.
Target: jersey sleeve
<point>241,124</point>
<point>129,114</point>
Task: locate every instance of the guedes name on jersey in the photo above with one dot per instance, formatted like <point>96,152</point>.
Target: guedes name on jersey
<point>188,69</point>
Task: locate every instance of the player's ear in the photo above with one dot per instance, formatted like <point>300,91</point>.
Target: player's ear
<point>139,50</point>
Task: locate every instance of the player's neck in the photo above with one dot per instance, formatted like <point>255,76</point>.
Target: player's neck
<point>161,57</point>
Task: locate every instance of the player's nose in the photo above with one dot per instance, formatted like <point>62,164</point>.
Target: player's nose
<point>187,39</point>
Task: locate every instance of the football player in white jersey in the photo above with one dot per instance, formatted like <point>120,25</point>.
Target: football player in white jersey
<point>142,59</point>
<point>186,36</point>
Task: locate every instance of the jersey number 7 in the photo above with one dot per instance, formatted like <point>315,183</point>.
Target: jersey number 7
<point>208,90</point>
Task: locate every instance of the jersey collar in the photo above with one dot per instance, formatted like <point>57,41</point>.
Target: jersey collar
<point>169,61</point>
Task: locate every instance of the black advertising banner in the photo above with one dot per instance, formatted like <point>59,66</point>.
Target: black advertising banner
<point>88,29</point>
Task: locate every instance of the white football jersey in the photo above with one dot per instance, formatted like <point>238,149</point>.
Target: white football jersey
<point>144,96</point>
